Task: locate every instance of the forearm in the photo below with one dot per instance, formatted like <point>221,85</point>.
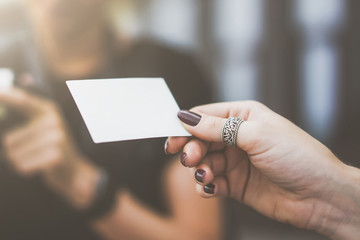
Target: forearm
<point>191,217</point>
<point>342,219</point>
<point>132,220</point>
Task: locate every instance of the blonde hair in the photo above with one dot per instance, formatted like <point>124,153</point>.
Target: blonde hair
<point>126,16</point>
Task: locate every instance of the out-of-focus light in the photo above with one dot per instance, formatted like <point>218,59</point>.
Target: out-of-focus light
<point>319,21</point>
<point>8,1</point>
<point>319,15</point>
<point>174,22</point>
<point>238,21</point>
<point>6,79</point>
<point>6,83</point>
<point>320,70</point>
<point>238,30</point>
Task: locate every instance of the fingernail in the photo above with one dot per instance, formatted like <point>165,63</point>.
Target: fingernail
<point>183,158</point>
<point>209,189</point>
<point>166,147</point>
<point>199,175</point>
<point>190,118</point>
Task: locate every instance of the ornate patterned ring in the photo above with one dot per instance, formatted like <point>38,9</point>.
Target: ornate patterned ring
<point>230,130</point>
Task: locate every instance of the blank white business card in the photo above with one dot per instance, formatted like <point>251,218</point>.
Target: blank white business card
<point>127,109</point>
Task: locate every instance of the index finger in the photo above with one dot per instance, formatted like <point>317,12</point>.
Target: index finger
<point>209,128</point>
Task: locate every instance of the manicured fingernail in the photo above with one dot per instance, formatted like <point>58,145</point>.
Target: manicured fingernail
<point>183,158</point>
<point>190,118</point>
<point>166,147</point>
<point>209,189</point>
<point>199,175</point>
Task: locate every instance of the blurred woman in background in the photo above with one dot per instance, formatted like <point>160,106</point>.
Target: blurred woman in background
<point>127,190</point>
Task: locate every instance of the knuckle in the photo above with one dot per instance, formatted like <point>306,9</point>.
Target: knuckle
<point>23,169</point>
<point>212,123</point>
<point>254,103</point>
<point>55,156</point>
<point>58,137</point>
<point>53,123</point>
<point>49,106</point>
<point>259,106</point>
<point>52,119</point>
<point>50,110</point>
<point>197,154</point>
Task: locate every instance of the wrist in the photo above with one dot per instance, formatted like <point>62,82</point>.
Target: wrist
<point>340,218</point>
<point>88,188</point>
<point>82,189</point>
<point>75,180</point>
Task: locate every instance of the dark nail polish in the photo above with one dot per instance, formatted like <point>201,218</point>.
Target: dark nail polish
<point>183,158</point>
<point>166,147</point>
<point>199,175</point>
<point>190,118</point>
<point>209,189</point>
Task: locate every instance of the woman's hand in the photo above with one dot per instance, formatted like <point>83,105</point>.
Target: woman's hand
<point>44,146</point>
<point>276,168</point>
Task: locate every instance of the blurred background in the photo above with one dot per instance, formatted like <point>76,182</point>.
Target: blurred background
<point>299,57</point>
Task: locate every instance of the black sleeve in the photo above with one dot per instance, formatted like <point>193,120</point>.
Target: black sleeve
<point>187,82</point>
<point>185,78</point>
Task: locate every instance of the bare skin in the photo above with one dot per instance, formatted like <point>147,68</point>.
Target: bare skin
<point>293,177</point>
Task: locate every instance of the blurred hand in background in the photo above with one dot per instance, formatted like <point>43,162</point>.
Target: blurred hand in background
<point>44,146</point>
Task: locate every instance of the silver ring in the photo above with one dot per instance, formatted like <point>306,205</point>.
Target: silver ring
<point>230,130</point>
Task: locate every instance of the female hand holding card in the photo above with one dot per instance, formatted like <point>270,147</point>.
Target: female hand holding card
<point>275,167</point>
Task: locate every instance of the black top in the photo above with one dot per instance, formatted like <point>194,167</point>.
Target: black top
<point>29,209</point>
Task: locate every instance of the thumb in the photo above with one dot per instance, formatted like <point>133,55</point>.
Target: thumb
<point>22,101</point>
